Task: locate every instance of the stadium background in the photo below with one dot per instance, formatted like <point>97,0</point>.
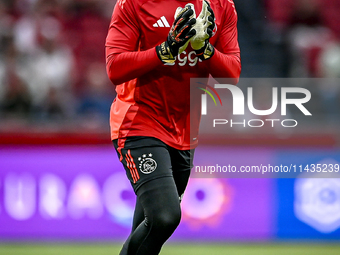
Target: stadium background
<point>61,186</point>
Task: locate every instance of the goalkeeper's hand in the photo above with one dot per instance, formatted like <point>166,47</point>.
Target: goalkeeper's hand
<point>205,24</point>
<point>179,35</point>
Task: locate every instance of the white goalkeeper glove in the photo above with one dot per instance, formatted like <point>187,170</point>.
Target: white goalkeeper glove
<point>205,24</point>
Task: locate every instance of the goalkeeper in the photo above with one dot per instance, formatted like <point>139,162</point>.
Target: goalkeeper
<point>153,48</point>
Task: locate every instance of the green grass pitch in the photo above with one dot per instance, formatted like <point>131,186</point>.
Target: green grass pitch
<point>173,249</point>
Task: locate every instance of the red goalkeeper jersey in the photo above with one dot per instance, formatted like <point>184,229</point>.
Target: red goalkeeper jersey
<point>153,99</point>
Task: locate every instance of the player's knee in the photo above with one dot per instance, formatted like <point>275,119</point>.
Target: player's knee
<point>168,219</point>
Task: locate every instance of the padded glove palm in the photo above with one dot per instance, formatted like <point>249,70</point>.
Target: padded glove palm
<point>204,26</point>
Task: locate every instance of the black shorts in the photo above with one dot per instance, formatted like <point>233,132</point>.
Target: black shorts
<point>148,158</point>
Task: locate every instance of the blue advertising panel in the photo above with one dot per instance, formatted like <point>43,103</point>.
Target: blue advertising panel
<point>309,206</point>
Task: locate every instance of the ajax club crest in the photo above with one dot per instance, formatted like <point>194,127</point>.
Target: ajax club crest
<point>147,164</point>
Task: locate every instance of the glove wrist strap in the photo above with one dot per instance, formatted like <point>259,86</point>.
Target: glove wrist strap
<point>164,53</point>
<point>205,52</point>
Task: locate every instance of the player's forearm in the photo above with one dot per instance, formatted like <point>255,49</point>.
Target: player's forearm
<point>126,66</point>
<point>225,66</point>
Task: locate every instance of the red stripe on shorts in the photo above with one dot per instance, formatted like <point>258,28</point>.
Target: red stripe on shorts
<point>129,165</point>
<point>133,165</point>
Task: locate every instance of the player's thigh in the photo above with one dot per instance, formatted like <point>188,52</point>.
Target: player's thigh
<point>182,163</point>
<point>159,198</point>
<point>144,159</point>
<point>181,160</point>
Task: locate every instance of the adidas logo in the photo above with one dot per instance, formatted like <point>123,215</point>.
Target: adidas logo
<point>162,22</point>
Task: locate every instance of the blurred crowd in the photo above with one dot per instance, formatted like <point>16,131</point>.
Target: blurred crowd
<point>311,32</point>
<point>310,35</point>
<point>52,59</point>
